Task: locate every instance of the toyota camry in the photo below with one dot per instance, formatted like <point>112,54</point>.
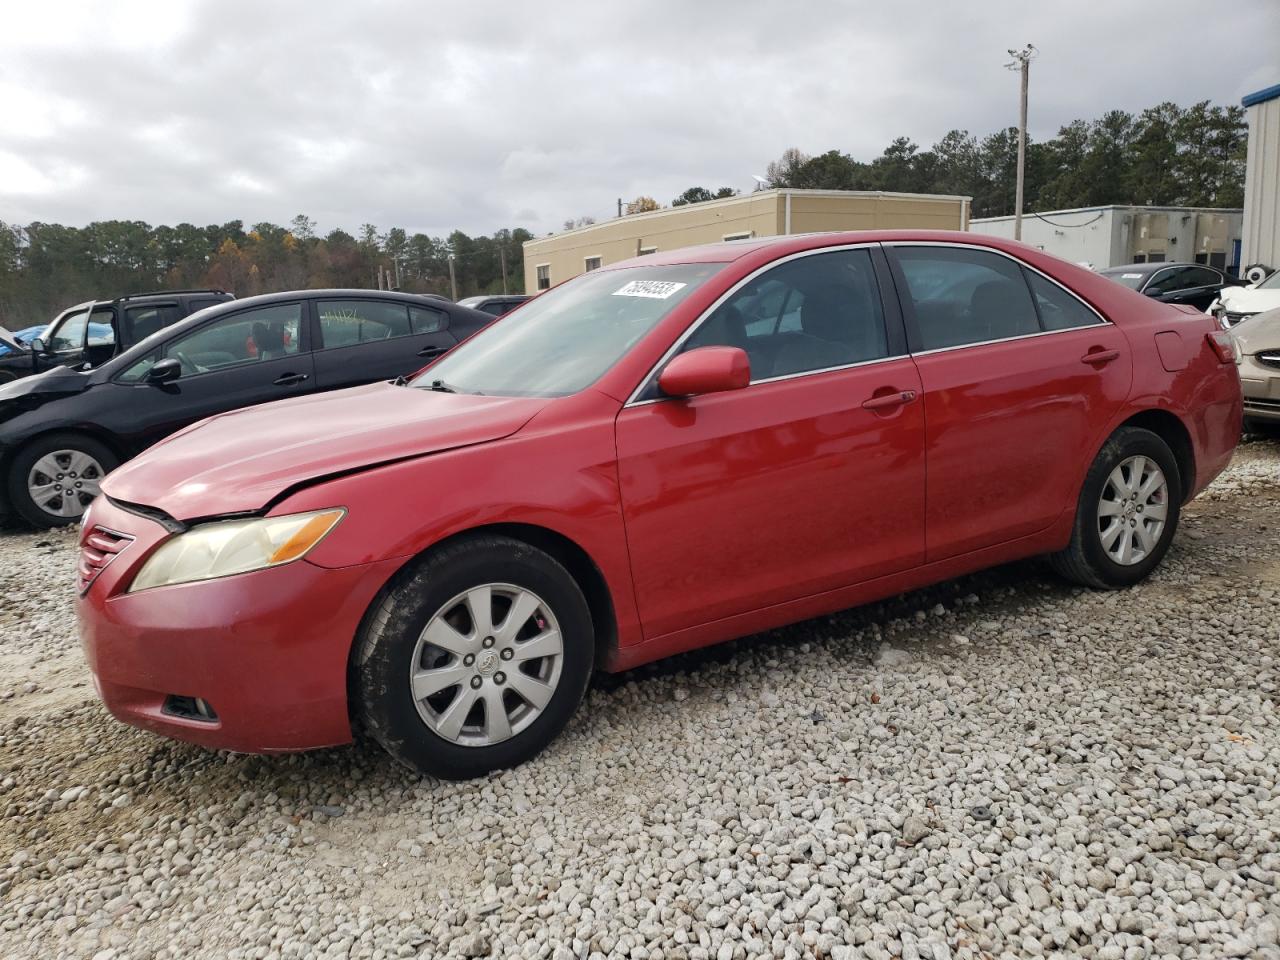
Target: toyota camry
<point>662,454</point>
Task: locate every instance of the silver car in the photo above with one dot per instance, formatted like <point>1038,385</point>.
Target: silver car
<point>1259,358</point>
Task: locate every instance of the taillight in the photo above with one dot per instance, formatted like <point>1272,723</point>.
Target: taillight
<point>1224,345</point>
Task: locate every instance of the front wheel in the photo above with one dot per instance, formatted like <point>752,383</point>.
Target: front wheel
<point>476,659</point>
<point>1127,513</point>
<point>53,479</point>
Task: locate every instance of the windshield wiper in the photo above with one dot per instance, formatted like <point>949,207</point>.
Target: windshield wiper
<point>439,386</point>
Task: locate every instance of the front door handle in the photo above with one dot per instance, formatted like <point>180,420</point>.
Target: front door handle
<point>1100,356</point>
<point>889,400</point>
<point>431,351</point>
<point>289,379</point>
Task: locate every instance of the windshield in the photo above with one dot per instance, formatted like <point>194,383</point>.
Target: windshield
<point>1271,283</point>
<point>1130,279</point>
<point>567,338</point>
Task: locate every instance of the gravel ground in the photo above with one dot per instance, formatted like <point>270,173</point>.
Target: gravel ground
<point>1001,766</point>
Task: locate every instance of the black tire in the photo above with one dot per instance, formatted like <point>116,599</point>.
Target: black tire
<point>385,649</point>
<point>25,459</point>
<point>1262,428</point>
<point>1085,560</point>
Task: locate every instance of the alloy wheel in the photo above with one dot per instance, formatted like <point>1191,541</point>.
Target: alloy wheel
<point>1132,510</point>
<point>486,665</point>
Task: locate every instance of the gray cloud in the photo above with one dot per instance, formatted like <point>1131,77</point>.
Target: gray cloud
<point>486,115</point>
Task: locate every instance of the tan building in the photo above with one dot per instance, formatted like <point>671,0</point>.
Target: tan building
<point>765,213</point>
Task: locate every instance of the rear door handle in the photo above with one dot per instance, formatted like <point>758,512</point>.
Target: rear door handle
<point>889,400</point>
<point>431,351</point>
<point>1100,356</point>
<point>289,379</point>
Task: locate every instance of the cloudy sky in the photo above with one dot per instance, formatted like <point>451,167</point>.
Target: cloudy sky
<point>481,115</point>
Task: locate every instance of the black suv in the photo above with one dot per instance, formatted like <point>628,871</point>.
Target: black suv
<point>95,331</point>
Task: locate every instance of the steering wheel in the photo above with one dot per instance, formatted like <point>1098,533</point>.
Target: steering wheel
<point>188,365</point>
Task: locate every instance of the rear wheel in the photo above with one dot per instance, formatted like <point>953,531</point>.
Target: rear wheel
<point>476,659</point>
<point>53,479</point>
<point>1127,513</point>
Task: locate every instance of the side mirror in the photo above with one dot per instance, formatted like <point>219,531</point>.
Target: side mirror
<point>38,345</point>
<point>165,371</point>
<point>705,370</point>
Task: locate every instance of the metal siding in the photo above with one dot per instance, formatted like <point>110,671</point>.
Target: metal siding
<point>1260,240</point>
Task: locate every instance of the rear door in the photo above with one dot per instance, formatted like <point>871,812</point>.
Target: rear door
<point>362,341</point>
<point>238,360</point>
<point>1017,375</point>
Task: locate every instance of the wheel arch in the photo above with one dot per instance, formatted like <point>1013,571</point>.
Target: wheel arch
<point>1169,427</point>
<point>98,436</point>
<point>568,553</point>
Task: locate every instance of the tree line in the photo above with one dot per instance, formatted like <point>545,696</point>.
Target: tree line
<point>1165,155</point>
<point>46,267</point>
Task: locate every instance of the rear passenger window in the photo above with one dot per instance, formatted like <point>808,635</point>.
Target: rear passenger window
<point>812,313</point>
<point>427,320</point>
<point>965,296</point>
<point>1058,309</point>
<point>344,323</point>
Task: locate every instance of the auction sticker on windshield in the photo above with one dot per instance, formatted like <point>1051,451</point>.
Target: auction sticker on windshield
<point>651,289</point>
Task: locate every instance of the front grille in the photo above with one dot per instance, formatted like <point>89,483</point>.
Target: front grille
<point>100,547</point>
<point>1234,318</point>
<point>1268,359</point>
<point>1261,403</point>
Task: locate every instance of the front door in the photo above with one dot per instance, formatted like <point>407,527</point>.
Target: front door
<point>238,360</point>
<point>1017,374</point>
<point>809,479</point>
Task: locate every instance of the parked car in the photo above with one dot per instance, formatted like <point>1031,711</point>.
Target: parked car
<point>97,330</point>
<point>661,454</point>
<point>1259,339</point>
<point>22,338</point>
<point>1193,284</point>
<point>61,432</point>
<point>497,304</point>
<point>1236,304</point>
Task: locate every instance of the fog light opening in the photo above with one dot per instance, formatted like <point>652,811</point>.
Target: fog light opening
<point>190,708</point>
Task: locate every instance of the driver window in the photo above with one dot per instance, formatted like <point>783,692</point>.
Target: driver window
<point>251,336</point>
<point>70,333</point>
<point>809,314</point>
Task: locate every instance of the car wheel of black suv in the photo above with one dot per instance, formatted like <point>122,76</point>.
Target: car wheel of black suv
<point>53,478</point>
<point>475,659</point>
<point>1127,514</point>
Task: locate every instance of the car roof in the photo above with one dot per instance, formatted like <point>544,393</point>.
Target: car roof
<point>162,335</point>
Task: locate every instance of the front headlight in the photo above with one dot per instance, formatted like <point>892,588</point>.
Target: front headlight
<point>224,547</point>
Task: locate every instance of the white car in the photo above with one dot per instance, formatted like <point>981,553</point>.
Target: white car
<point>1239,303</point>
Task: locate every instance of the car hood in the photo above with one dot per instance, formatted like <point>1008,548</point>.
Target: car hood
<point>239,462</point>
<point>1248,299</point>
<point>58,382</point>
<point>1259,332</point>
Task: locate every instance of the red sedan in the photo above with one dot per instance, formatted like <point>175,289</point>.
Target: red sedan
<point>668,453</point>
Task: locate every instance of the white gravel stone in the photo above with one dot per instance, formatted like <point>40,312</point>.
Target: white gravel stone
<point>998,767</point>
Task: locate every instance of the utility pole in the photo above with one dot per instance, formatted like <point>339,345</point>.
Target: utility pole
<point>1022,63</point>
<point>502,255</point>
<point>619,206</point>
<point>453,280</point>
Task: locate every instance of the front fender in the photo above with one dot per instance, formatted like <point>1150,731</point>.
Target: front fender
<point>562,478</point>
